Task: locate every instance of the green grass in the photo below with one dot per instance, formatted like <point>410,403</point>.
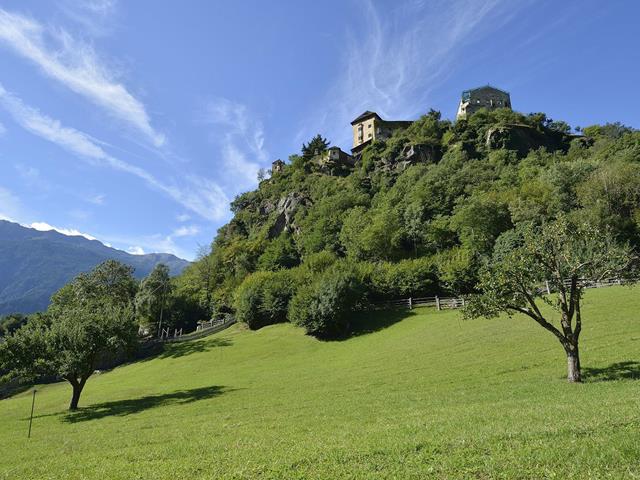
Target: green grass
<point>430,396</point>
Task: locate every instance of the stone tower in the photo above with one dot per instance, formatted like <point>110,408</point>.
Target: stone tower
<point>482,97</point>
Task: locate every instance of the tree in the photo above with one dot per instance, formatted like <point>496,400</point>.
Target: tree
<point>69,344</point>
<point>153,300</point>
<point>109,282</point>
<point>88,318</point>
<point>262,174</point>
<point>205,274</point>
<point>316,146</point>
<point>562,253</point>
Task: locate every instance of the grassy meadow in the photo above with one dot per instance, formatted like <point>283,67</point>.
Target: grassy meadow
<point>414,395</point>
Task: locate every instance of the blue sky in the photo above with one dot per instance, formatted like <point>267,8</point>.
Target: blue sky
<point>138,122</point>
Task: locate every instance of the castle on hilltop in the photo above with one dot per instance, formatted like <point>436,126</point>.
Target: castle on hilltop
<point>369,126</point>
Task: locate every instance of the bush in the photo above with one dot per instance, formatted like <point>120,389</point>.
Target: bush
<point>323,308</point>
<point>407,278</point>
<point>263,298</point>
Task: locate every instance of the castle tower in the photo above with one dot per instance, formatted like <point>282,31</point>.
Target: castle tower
<point>482,97</point>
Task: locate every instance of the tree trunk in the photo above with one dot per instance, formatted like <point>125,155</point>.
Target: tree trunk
<point>75,397</point>
<point>573,365</point>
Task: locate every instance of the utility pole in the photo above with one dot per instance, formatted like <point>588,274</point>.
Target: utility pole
<point>33,402</point>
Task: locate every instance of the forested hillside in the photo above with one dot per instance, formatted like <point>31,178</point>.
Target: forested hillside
<point>410,221</point>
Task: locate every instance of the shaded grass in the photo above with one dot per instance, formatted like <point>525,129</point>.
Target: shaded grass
<point>422,396</point>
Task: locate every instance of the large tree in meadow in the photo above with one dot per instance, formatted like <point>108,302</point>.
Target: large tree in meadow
<point>89,319</point>
<point>562,255</point>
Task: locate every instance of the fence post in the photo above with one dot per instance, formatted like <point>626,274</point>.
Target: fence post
<point>437,303</point>
<point>410,304</point>
<point>546,282</point>
<point>463,301</point>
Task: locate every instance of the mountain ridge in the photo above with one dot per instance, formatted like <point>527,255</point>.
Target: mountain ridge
<point>34,264</point>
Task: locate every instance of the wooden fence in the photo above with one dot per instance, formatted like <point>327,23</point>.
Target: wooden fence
<point>442,303</point>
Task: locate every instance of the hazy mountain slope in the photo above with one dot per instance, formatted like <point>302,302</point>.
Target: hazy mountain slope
<point>35,264</point>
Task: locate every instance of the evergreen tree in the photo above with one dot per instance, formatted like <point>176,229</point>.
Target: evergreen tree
<point>316,146</point>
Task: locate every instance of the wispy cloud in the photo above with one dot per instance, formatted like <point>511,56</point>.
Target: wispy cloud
<point>393,64</point>
<point>76,65</point>
<point>186,231</point>
<point>3,129</point>
<point>94,16</point>
<point>241,138</point>
<point>199,195</point>
<point>98,199</point>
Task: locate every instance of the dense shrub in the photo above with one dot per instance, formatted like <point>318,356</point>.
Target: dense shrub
<point>263,297</point>
<point>323,307</point>
<point>407,278</point>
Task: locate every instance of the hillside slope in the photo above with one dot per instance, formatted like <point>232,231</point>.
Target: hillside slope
<point>35,264</point>
<point>430,396</point>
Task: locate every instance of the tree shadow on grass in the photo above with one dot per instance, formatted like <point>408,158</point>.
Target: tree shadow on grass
<point>120,408</point>
<point>181,349</point>
<point>363,323</point>
<point>629,370</point>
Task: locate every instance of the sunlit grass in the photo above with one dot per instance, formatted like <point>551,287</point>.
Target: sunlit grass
<point>424,395</point>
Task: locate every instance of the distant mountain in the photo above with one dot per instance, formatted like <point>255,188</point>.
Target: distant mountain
<point>35,264</point>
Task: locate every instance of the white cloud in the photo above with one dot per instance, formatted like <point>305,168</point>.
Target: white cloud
<point>184,217</point>
<point>186,231</point>
<point>135,250</point>
<point>71,232</point>
<point>76,65</point>
<point>98,199</point>
<point>198,194</point>
<point>401,56</point>
<point>241,138</point>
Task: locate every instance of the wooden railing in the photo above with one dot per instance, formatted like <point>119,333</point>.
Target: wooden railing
<point>442,303</point>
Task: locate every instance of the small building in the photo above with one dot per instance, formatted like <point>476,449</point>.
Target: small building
<point>333,160</point>
<point>369,126</point>
<point>277,167</point>
<point>482,97</point>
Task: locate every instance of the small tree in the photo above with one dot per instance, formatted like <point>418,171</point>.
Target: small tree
<point>153,300</point>
<point>89,318</point>
<point>69,344</point>
<point>563,254</point>
<point>316,146</point>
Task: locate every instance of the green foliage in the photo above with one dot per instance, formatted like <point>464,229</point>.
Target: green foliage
<point>480,177</point>
<point>155,297</point>
<point>90,318</point>
<point>407,278</point>
<point>316,146</point>
<point>111,282</point>
<point>323,308</point>
<point>263,298</point>
<point>12,322</point>
<point>280,253</point>
<point>561,253</point>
